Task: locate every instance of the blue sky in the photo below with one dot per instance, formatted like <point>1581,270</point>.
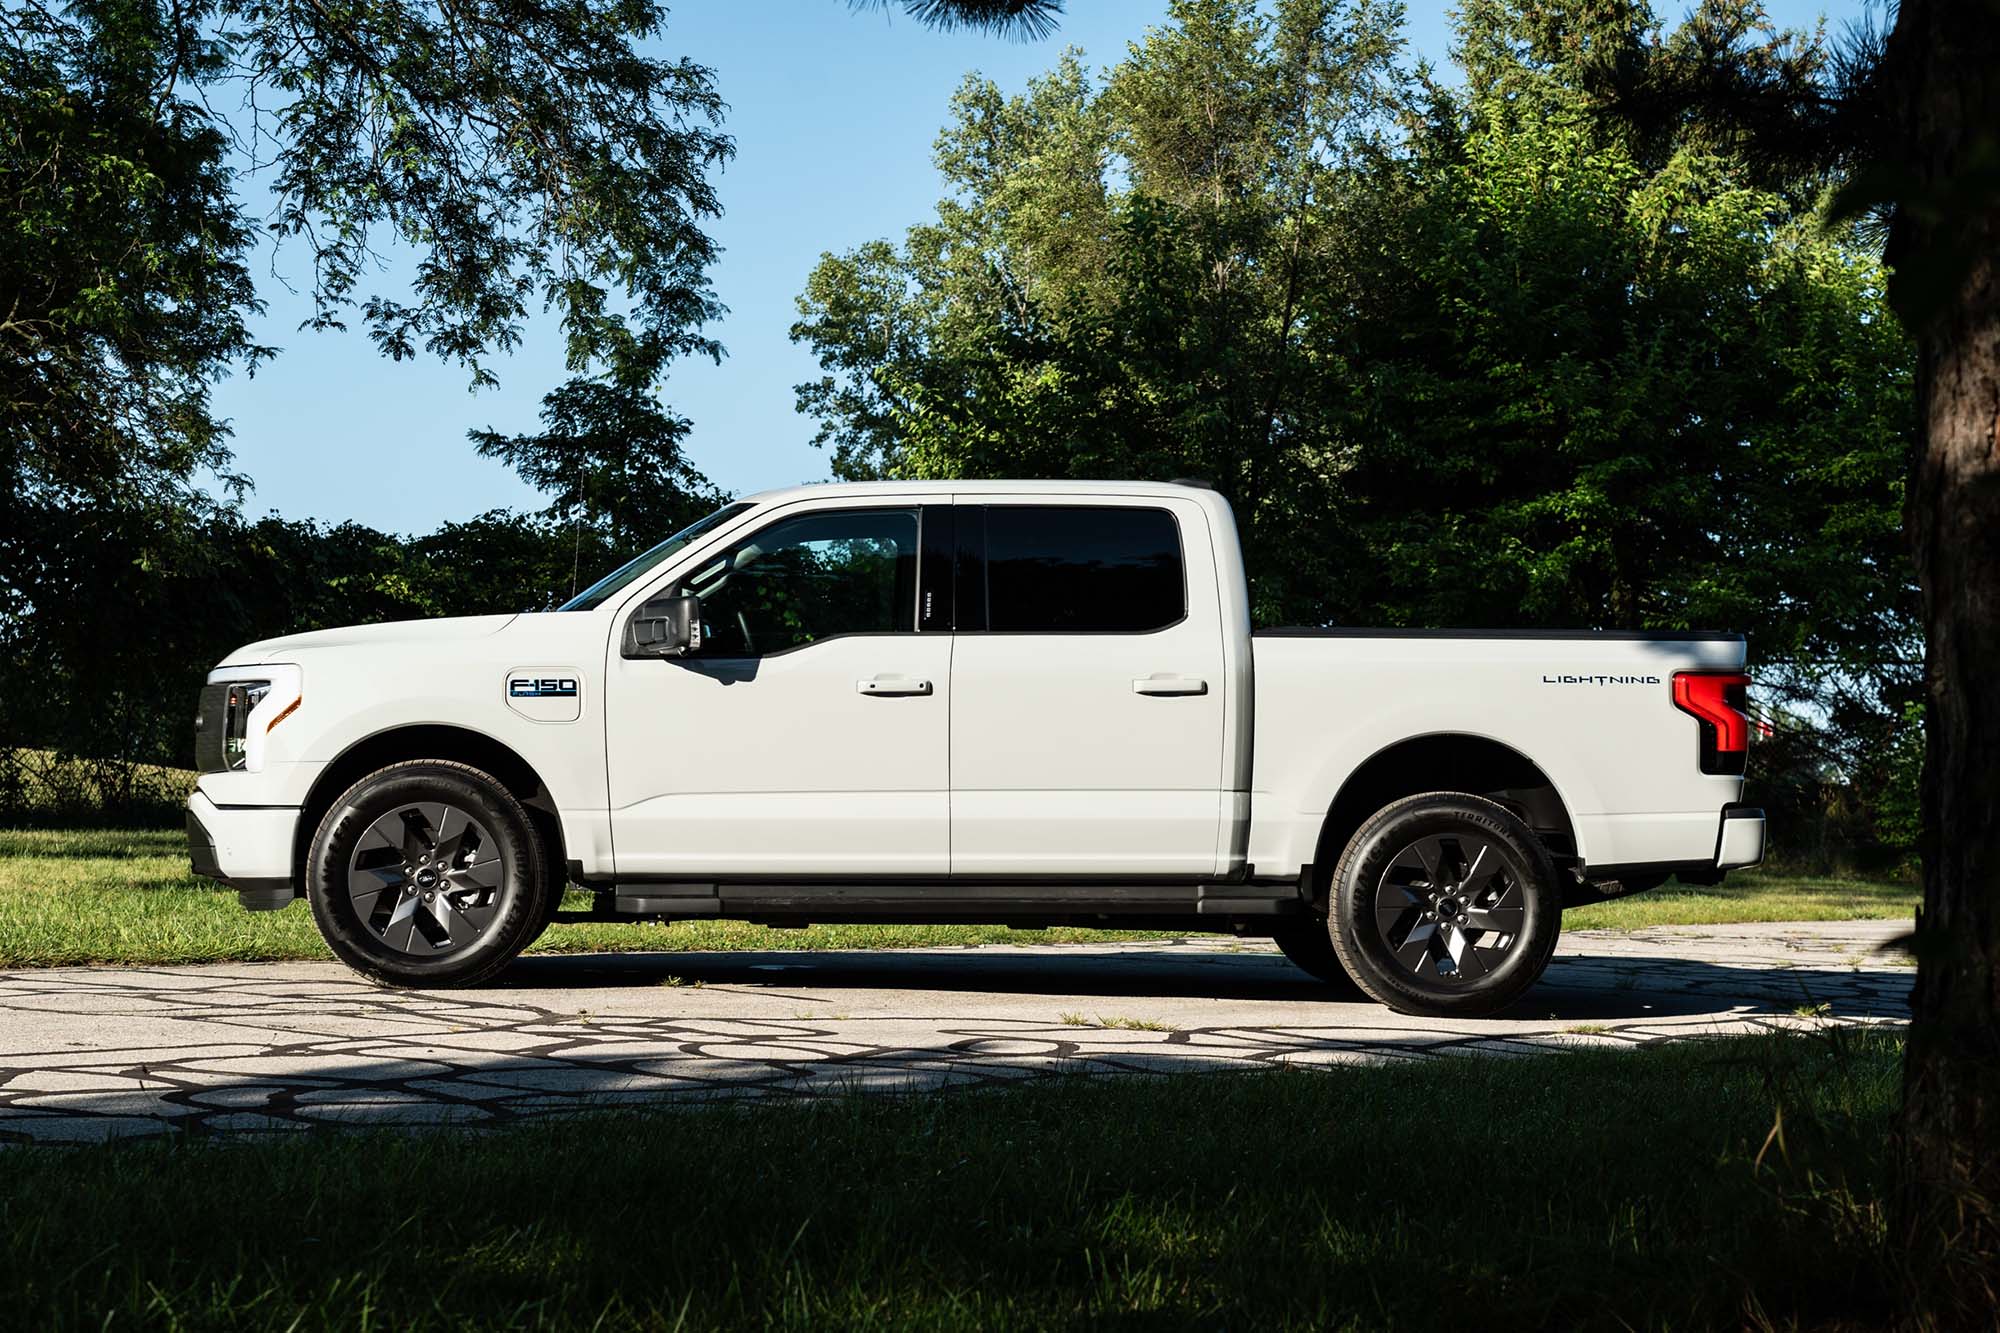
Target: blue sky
<point>833,113</point>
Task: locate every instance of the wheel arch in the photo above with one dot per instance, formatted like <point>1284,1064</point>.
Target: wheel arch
<point>431,741</point>
<point>1444,761</point>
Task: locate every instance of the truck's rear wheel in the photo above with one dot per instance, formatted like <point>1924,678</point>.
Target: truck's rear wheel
<point>1445,905</point>
<point>1309,945</point>
<point>427,873</point>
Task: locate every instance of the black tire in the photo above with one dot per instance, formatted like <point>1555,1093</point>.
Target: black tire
<point>552,905</point>
<point>427,873</point>
<point>1445,905</point>
<point>1309,945</point>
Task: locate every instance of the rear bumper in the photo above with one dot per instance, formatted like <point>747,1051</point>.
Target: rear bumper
<point>1738,843</point>
<point>249,848</point>
<point>1741,842</point>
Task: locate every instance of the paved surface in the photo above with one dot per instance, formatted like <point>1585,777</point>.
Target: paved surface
<point>103,1052</point>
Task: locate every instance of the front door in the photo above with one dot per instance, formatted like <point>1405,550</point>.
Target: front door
<point>1087,690</point>
<point>808,735</point>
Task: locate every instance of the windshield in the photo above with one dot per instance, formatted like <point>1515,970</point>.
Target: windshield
<point>632,570</point>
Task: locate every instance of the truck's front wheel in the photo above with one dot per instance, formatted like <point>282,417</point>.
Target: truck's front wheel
<point>427,873</point>
<point>1446,905</point>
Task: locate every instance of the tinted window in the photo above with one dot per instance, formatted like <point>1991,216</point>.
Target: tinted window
<point>1079,568</point>
<point>811,577</point>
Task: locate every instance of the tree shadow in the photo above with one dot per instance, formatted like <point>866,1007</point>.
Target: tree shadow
<point>1576,987</point>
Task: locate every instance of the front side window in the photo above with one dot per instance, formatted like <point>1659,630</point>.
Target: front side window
<point>1070,569</point>
<point>851,571</point>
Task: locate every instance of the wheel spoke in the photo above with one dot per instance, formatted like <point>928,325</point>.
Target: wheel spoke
<point>1415,949</point>
<point>453,831</point>
<point>485,874</point>
<point>1497,920</point>
<point>385,878</point>
<point>466,922</point>
<point>1421,857</point>
<point>1486,863</point>
<point>1392,903</point>
<point>1451,861</point>
<point>433,922</point>
<point>399,932</point>
<point>1388,919</point>
<point>1465,958</point>
<point>416,834</point>
<point>405,908</point>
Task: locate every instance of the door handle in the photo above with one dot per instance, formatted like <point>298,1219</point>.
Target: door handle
<point>1164,683</point>
<point>891,685</point>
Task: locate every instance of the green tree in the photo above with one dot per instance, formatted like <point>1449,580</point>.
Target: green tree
<point>1908,122</point>
<point>123,279</point>
<point>530,155</point>
<point>1013,18</point>
<point>1118,284</point>
<point>610,458</point>
<point>1478,357</point>
<point>1619,383</point>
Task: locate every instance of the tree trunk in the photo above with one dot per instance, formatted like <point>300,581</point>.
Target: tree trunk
<point>1941,73</point>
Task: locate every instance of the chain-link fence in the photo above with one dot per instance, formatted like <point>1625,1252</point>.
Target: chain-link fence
<point>41,787</point>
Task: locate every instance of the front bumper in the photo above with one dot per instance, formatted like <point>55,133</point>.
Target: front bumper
<point>249,848</point>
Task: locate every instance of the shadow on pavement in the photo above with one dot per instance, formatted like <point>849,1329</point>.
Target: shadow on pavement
<point>1576,987</point>
<point>231,1050</point>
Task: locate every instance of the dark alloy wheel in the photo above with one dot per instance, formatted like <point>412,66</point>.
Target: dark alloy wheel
<point>1446,904</point>
<point>428,873</point>
<point>1309,945</point>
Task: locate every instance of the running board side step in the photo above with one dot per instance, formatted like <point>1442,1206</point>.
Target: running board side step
<point>949,899</point>
<point>1252,898</point>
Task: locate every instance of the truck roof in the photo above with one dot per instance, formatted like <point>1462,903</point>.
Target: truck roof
<point>1107,487</point>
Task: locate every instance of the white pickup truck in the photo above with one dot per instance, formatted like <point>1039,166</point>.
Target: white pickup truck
<point>1017,702</point>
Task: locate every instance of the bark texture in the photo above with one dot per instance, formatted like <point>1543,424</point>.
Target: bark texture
<point>1941,76</point>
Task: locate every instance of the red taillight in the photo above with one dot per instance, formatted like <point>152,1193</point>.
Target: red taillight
<point>1719,701</point>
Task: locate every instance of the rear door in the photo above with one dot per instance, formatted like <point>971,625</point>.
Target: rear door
<point>1087,689</point>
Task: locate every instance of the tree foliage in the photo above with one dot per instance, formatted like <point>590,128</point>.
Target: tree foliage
<point>524,155</point>
<point>1479,356</point>
<point>527,152</point>
<point>1012,18</point>
<point>1119,283</point>
<point>124,284</point>
<point>609,457</point>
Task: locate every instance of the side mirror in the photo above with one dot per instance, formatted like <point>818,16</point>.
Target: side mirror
<point>667,626</point>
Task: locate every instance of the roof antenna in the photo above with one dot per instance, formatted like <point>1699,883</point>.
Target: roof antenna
<point>576,551</point>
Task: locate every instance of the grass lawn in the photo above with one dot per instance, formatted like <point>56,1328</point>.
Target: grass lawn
<point>1752,895</point>
<point>1591,1190</point>
<point>126,896</point>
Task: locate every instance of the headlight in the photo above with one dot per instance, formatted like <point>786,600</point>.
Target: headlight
<point>238,707</point>
<point>242,700</point>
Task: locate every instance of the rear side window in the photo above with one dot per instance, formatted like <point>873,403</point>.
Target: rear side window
<point>1078,569</point>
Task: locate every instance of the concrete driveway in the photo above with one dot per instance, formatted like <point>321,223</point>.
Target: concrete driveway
<point>95,1053</point>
